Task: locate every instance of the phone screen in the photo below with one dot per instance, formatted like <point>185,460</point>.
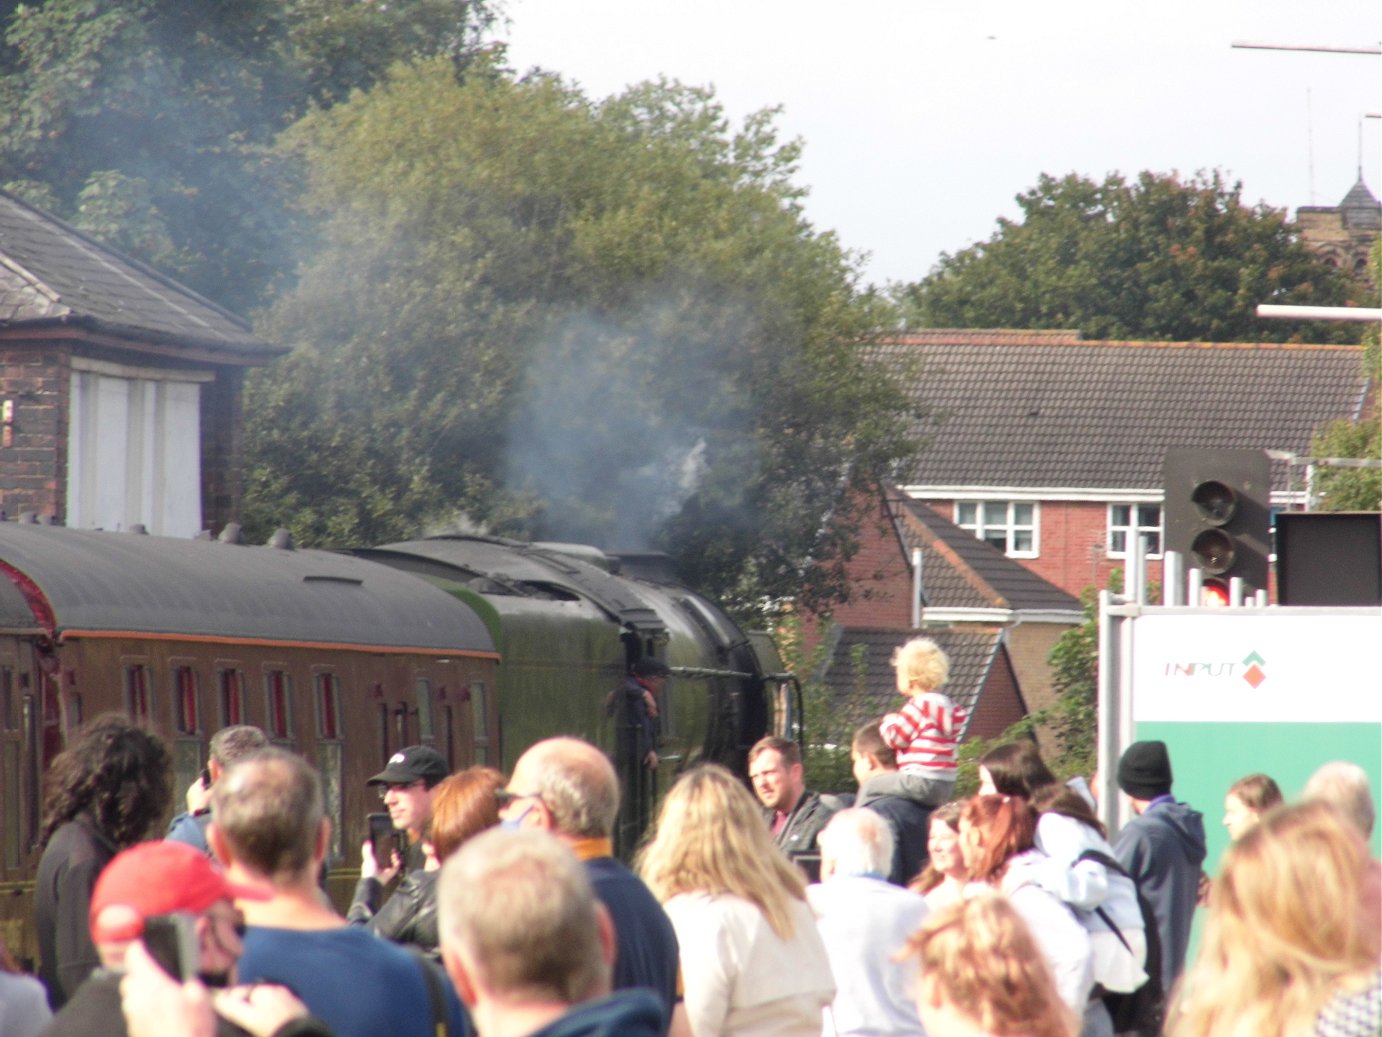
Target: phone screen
<point>384,837</point>
<point>171,940</point>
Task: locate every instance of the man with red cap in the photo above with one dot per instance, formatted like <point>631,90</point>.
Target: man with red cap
<point>171,878</point>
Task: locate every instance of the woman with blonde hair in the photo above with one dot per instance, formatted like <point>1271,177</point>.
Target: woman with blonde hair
<point>983,975</point>
<point>1292,940</point>
<point>752,960</point>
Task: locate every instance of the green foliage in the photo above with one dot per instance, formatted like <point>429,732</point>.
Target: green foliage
<point>1159,258</point>
<point>147,122</point>
<point>567,319</point>
<point>1340,488</point>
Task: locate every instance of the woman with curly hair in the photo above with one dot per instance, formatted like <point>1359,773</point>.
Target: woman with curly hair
<point>983,975</point>
<point>105,791</point>
<point>752,960</point>
<point>1291,945</point>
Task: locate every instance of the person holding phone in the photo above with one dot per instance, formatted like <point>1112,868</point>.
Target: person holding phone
<point>227,745</point>
<point>166,905</point>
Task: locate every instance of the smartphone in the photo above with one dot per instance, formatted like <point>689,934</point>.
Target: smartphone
<point>171,940</point>
<point>383,836</point>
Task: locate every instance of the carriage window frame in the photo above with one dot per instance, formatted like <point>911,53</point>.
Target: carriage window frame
<point>141,700</point>
<point>278,703</point>
<point>226,668</point>
<point>326,693</point>
<point>185,678</point>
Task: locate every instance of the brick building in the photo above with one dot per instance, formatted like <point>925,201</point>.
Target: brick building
<point>120,390</point>
<point>1343,234</point>
<point>997,620</point>
<point>1051,447</point>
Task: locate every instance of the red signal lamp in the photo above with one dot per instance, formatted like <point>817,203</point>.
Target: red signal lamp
<point>1214,594</point>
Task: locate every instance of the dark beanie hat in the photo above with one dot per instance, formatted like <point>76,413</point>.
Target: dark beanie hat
<point>1144,772</point>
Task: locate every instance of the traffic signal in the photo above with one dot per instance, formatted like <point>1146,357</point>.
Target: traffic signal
<point>1217,513</point>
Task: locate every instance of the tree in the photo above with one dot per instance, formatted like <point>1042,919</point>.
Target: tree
<point>1341,488</point>
<point>147,123</point>
<point>1159,258</point>
<point>595,321</point>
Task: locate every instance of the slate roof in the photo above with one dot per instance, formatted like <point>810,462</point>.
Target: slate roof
<point>52,273</point>
<point>1039,409</point>
<point>961,571</point>
<point>859,670</point>
<point>103,584</point>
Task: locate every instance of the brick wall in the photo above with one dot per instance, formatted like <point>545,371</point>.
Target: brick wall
<point>1071,540</point>
<point>33,450</point>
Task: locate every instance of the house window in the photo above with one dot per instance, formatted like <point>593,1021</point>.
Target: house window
<point>1135,520</point>
<point>1010,526</point>
<point>134,448</point>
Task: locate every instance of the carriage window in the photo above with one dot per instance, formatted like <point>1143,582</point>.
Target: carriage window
<point>278,686</point>
<point>328,706</point>
<point>479,714</point>
<point>423,689</point>
<point>139,693</point>
<point>189,714</point>
<point>232,694</point>
<point>9,718</point>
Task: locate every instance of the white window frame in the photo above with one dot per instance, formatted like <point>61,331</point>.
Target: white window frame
<point>134,448</point>
<point>982,526</point>
<point>1111,527</point>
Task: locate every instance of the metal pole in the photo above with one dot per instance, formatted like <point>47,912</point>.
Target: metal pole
<point>1244,45</point>
<point>916,588</point>
<point>1347,313</point>
<point>1172,578</point>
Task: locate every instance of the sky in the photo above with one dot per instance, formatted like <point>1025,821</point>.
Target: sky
<point>923,120</point>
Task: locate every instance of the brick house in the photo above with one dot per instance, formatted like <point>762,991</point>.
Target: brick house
<point>1050,447</point>
<point>995,618</point>
<point>120,390</point>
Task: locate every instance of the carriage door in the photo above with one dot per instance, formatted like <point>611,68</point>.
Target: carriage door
<point>19,796</point>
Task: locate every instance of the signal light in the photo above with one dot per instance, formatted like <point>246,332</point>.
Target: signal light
<point>1214,594</point>
<point>1217,512</point>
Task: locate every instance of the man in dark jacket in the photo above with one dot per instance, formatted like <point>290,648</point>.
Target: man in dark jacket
<point>908,818</point>
<point>795,815</point>
<point>1162,848</point>
<point>529,946</point>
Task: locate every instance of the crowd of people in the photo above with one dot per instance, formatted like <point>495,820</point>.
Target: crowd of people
<point>758,909</point>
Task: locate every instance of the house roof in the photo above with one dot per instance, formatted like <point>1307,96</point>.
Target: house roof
<point>51,274</point>
<point>961,571</point>
<point>858,668</point>
<point>1049,409</point>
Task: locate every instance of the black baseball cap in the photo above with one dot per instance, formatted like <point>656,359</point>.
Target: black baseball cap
<point>415,763</point>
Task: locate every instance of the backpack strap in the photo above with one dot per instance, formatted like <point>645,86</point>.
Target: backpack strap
<point>1099,857</point>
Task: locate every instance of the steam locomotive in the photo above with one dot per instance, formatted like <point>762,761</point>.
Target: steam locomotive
<point>477,646</point>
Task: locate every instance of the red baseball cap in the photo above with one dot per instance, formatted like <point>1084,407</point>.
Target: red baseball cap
<point>159,878</point>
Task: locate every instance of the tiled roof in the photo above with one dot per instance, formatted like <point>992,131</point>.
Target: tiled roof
<point>51,273</point>
<point>961,571</point>
<point>859,668</point>
<point>1047,409</point>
